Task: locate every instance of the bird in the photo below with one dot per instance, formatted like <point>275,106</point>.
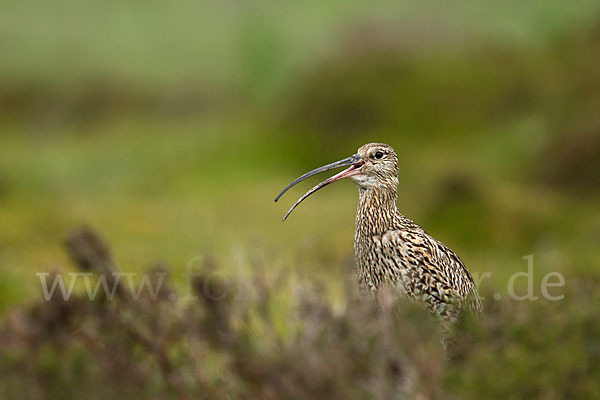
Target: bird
<point>391,249</point>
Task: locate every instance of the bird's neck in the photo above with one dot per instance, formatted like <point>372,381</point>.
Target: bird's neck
<point>377,212</point>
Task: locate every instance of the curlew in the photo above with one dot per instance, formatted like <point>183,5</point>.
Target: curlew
<point>390,248</point>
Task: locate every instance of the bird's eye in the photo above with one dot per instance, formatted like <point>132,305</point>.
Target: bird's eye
<point>379,154</point>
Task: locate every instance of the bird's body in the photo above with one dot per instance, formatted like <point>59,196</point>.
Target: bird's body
<point>390,249</point>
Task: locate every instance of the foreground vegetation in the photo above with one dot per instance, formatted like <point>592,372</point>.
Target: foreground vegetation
<point>234,340</point>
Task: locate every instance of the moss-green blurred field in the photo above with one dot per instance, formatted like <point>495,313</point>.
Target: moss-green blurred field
<point>170,128</point>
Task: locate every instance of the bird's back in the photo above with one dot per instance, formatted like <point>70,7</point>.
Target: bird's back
<point>421,267</point>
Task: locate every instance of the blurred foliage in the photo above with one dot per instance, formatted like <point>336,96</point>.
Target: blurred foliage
<point>234,339</point>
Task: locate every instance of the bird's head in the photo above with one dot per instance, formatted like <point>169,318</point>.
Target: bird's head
<point>379,169</point>
<point>373,167</point>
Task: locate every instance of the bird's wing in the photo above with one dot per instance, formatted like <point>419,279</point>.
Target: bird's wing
<point>427,269</point>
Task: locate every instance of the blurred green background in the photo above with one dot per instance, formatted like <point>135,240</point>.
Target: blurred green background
<point>171,126</point>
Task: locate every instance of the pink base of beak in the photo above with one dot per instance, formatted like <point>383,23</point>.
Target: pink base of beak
<point>354,169</point>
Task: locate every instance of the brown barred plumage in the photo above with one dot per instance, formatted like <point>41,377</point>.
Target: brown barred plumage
<point>390,248</point>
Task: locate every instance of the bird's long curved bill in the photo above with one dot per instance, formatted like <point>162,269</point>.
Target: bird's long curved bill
<point>354,162</point>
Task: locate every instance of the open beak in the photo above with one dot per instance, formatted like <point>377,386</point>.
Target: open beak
<point>355,162</point>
